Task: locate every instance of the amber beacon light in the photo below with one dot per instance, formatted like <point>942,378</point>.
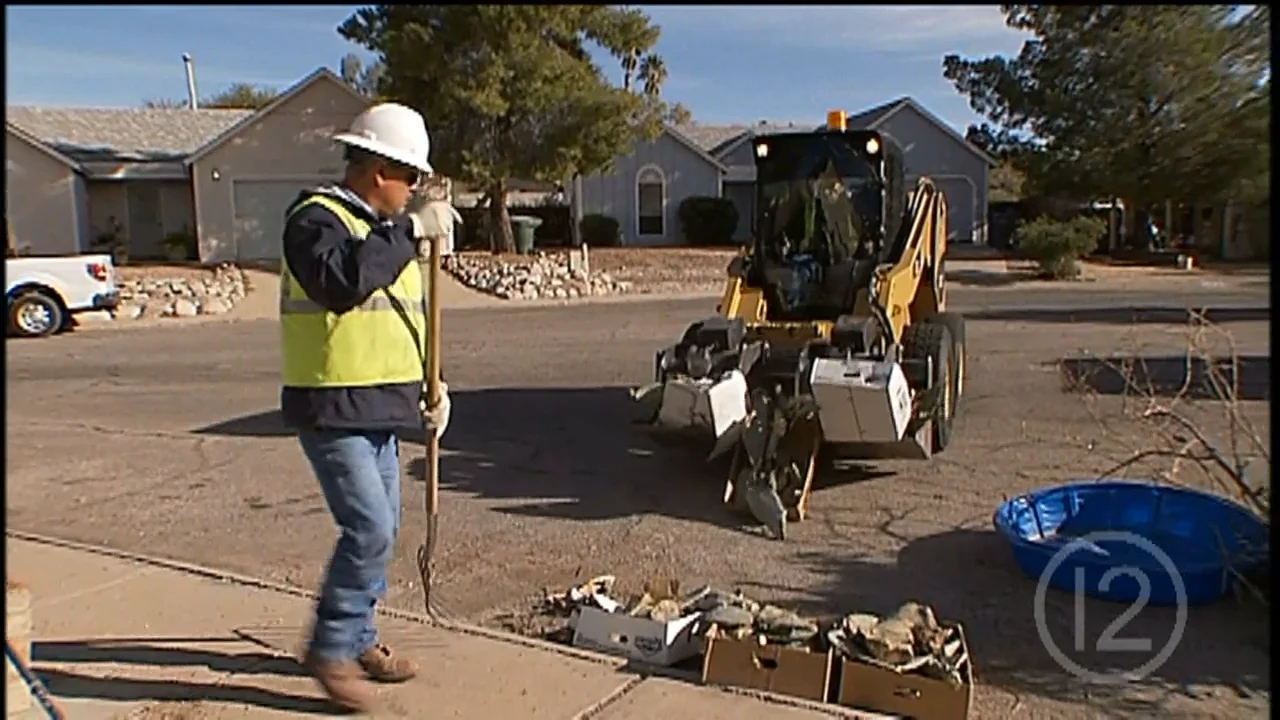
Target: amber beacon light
<point>836,120</point>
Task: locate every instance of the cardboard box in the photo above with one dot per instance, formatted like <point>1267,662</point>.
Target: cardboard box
<point>773,668</point>
<point>868,687</point>
<point>636,638</point>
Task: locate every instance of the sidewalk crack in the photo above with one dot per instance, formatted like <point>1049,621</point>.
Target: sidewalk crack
<point>47,602</point>
<point>618,693</point>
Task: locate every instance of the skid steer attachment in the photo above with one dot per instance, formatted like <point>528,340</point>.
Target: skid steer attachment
<point>832,329</point>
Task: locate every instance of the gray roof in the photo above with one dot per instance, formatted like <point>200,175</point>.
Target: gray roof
<point>871,116</point>
<point>139,134</point>
<point>715,138</point>
<point>867,119</point>
<point>709,137</point>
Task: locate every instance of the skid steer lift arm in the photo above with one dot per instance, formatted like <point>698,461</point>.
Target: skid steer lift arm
<point>832,328</point>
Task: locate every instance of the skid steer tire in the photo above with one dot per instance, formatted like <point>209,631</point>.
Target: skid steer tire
<point>954,323</point>
<point>933,341</point>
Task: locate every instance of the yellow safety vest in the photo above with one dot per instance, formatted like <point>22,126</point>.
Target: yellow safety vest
<point>369,345</point>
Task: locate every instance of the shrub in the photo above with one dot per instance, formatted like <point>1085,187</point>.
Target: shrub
<point>708,221</point>
<point>181,245</point>
<point>599,230</point>
<point>1057,246</point>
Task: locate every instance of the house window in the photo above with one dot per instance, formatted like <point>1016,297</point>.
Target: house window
<point>651,201</point>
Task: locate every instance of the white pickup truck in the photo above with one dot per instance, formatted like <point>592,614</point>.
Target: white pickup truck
<point>44,292</point>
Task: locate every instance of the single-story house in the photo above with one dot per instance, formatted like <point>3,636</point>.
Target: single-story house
<point>644,189</point>
<point>77,175</point>
<point>731,144</point>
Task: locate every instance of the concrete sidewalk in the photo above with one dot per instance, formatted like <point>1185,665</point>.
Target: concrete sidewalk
<point>122,638</point>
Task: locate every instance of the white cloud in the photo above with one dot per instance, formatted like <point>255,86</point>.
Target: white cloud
<point>59,63</point>
<point>910,29</point>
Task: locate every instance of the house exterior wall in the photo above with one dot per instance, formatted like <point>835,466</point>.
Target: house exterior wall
<point>291,143</point>
<point>108,209</point>
<point>83,227</point>
<point>614,194</point>
<point>958,172</point>
<point>109,203</point>
<point>177,207</point>
<point>743,197</point>
<point>739,156</point>
<point>42,200</point>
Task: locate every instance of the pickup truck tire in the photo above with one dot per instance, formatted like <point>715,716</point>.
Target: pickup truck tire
<point>35,313</point>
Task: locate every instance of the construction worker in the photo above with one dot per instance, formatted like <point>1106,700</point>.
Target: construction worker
<point>352,336</point>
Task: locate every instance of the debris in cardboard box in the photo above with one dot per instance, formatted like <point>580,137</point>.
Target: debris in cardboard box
<point>655,626</point>
<point>739,617</point>
<point>909,641</point>
<point>594,592</point>
<point>764,647</point>
<point>660,599</point>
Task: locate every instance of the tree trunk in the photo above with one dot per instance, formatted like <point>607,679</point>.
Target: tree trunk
<point>575,211</point>
<point>501,238</point>
<point>1131,238</point>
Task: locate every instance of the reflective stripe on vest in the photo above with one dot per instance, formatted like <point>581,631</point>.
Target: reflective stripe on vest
<point>376,301</point>
<point>371,344</point>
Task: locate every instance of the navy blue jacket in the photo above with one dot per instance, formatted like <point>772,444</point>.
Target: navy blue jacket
<point>339,272</point>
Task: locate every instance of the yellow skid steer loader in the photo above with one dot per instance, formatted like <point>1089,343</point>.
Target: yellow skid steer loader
<point>832,329</point>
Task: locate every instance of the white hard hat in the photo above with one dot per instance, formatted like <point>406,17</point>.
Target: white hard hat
<point>392,131</point>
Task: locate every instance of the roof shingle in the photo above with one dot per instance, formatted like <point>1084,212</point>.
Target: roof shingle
<point>137,134</point>
<point>715,138</point>
<point>710,137</point>
<point>871,116</point>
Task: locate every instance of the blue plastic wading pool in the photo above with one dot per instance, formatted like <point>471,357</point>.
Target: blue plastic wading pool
<point>1201,535</point>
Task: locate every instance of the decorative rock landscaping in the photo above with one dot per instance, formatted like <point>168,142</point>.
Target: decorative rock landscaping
<point>180,297</point>
<point>550,275</point>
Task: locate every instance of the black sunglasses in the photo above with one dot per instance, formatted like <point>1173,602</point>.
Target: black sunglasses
<point>411,175</point>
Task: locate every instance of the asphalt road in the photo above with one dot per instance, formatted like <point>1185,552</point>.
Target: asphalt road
<point>165,440</point>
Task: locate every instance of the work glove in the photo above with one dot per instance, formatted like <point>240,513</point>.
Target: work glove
<point>436,419</point>
<point>436,218</point>
<point>416,223</point>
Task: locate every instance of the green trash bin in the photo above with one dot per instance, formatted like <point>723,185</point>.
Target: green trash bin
<point>524,226</point>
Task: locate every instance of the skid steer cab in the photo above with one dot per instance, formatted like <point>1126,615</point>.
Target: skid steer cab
<point>832,331</point>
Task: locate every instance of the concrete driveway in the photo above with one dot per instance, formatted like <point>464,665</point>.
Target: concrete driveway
<point>165,440</point>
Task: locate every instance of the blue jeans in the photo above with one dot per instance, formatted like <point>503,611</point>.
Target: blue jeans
<point>359,473</point>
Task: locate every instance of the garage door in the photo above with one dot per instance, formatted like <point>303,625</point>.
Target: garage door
<point>259,214</point>
<point>959,192</point>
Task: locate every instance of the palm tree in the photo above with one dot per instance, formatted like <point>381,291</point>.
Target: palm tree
<point>629,64</point>
<point>653,73</point>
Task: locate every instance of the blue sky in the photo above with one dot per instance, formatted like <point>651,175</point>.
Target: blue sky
<point>726,63</point>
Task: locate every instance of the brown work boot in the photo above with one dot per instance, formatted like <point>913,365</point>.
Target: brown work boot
<point>384,666</point>
<point>343,682</point>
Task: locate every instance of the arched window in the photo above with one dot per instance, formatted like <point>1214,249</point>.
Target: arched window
<point>651,201</point>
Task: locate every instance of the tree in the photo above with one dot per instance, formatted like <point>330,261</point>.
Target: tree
<point>1008,182</point>
<point>653,74</point>
<point>630,62</point>
<point>237,96</point>
<point>511,92</point>
<point>165,104</point>
<point>1144,103</point>
<point>241,95</point>
<point>363,79</point>
<point>678,114</point>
